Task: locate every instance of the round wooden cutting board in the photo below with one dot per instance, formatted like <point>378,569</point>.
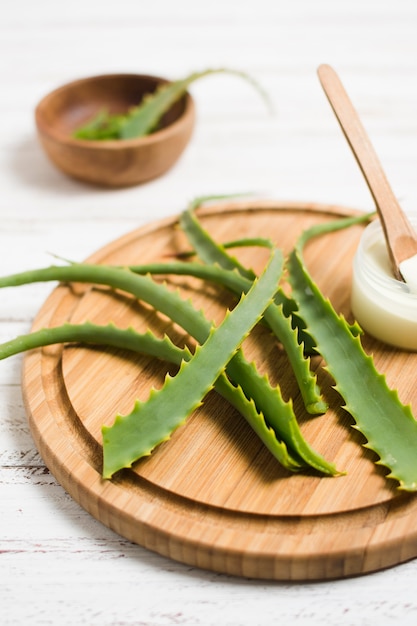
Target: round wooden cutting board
<point>213,496</point>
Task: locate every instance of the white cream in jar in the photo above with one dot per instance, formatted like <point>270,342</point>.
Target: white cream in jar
<point>382,305</point>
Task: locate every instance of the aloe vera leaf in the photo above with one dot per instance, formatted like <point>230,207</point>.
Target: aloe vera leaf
<point>279,414</point>
<point>102,126</point>
<point>89,333</point>
<point>211,252</point>
<point>93,127</point>
<point>206,248</point>
<point>287,456</point>
<point>144,118</point>
<point>388,426</point>
<point>230,279</point>
<point>169,303</point>
<point>152,422</point>
<point>142,287</point>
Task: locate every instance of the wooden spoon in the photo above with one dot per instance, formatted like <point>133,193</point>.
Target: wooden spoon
<point>400,236</point>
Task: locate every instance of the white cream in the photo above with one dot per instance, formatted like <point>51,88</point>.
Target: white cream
<point>385,307</point>
<point>408,269</point>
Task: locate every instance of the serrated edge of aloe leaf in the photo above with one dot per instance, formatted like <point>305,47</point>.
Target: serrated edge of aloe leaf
<point>378,413</point>
<point>89,333</point>
<point>211,252</point>
<point>332,226</point>
<point>283,421</point>
<point>144,118</point>
<point>152,422</point>
<point>279,448</point>
<point>144,288</point>
<point>206,248</point>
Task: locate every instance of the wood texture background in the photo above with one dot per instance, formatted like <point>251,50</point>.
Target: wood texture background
<point>70,568</point>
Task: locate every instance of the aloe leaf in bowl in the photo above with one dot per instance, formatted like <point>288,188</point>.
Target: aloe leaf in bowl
<point>143,119</point>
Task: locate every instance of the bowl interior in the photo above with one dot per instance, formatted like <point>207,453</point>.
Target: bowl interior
<point>70,106</point>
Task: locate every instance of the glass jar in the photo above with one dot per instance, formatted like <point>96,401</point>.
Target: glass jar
<point>382,305</point>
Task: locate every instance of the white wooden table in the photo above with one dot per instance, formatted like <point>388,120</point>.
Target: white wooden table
<point>57,564</point>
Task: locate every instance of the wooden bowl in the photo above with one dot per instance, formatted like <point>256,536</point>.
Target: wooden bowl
<point>113,163</point>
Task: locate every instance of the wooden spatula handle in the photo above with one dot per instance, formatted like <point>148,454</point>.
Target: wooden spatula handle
<point>400,235</point>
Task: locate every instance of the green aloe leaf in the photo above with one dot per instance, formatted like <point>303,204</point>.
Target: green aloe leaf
<point>89,333</point>
<point>150,423</point>
<point>144,118</point>
<point>388,426</point>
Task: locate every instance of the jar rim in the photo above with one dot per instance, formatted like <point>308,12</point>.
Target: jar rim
<point>373,234</point>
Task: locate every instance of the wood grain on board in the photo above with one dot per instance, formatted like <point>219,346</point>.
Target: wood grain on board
<point>213,496</point>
